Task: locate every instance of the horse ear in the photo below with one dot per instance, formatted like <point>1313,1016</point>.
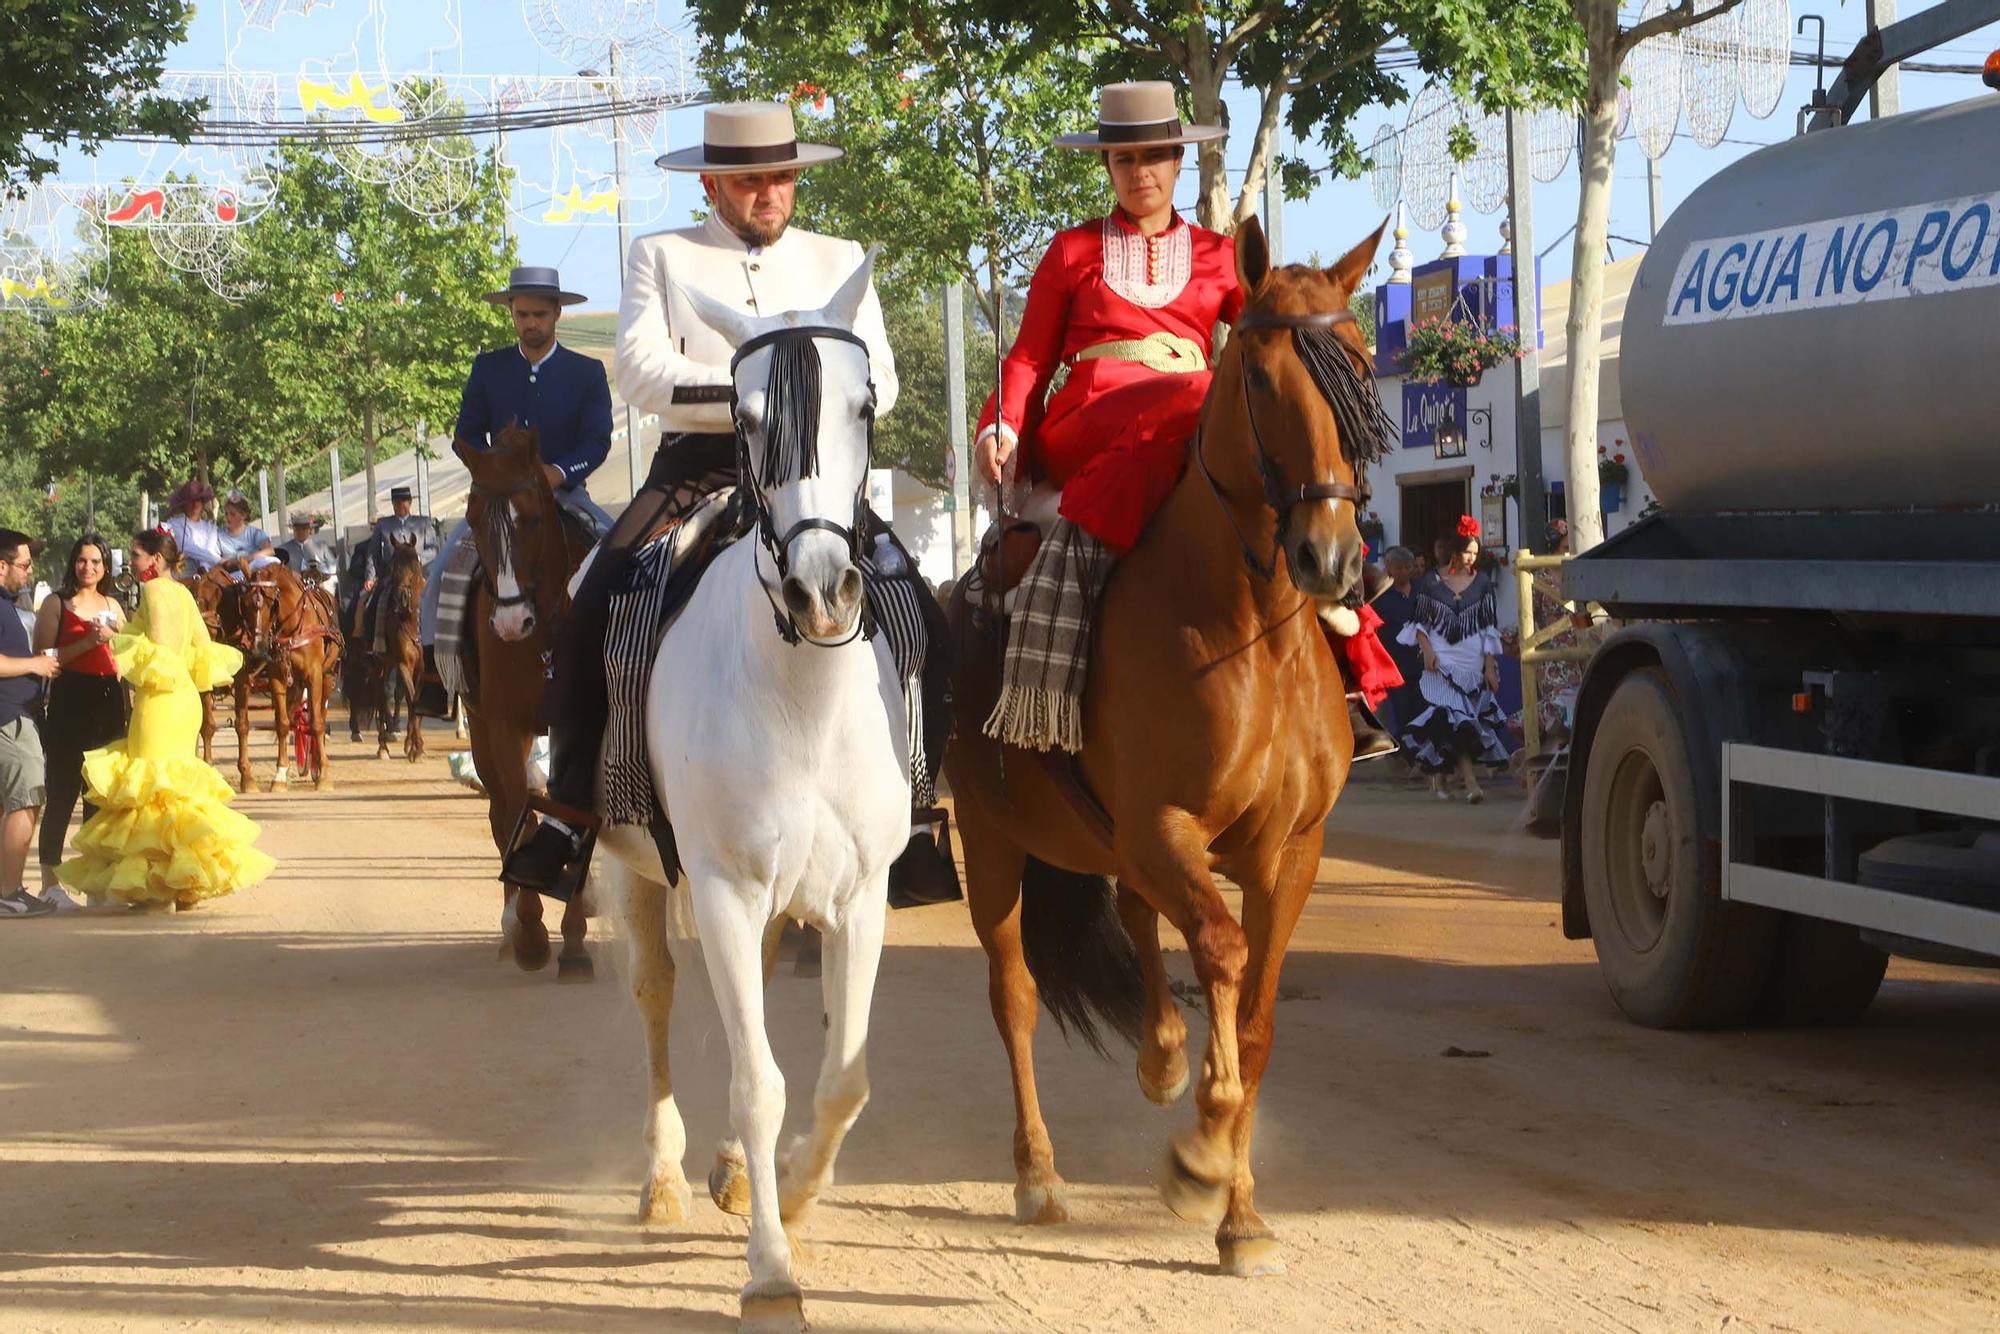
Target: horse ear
<point>1253,255</point>
<point>736,329</point>
<point>845,307</point>
<point>1348,272</point>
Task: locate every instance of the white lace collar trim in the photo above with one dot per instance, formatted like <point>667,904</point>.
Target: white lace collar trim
<point>1149,271</point>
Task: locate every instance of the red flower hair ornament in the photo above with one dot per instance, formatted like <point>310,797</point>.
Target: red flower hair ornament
<point>1468,526</point>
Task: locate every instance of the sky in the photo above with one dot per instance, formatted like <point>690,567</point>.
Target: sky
<point>333,38</point>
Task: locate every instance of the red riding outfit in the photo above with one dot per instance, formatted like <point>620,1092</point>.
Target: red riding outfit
<point>1111,430</point>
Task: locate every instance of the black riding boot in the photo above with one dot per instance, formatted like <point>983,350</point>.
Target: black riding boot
<point>546,862</point>
<point>1371,740</point>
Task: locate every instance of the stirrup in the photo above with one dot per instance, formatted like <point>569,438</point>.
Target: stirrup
<point>585,826</point>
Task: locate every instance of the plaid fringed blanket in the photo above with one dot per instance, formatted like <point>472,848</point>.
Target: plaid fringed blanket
<point>1048,643</point>
<point>455,667</point>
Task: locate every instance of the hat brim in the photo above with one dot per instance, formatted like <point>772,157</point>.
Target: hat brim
<point>560,298</point>
<point>696,159</point>
<point>1189,134</point>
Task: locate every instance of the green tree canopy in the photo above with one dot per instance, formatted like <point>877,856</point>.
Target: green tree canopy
<point>74,73</point>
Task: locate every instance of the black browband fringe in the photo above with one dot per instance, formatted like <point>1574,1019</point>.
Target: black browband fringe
<point>1367,432</point>
<point>791,419</point>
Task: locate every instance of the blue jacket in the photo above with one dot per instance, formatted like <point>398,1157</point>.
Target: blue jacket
<point>568,398</point>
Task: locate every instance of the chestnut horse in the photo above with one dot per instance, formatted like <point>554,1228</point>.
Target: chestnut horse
<point>400,664</point>
<point>526,557</point>
<point>294,633</point>
<point>1197,625</point>
<point>217,596</point>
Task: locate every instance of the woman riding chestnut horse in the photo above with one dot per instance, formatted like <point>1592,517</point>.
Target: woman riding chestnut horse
<point>1112,362</point>
<point>1203,623</point>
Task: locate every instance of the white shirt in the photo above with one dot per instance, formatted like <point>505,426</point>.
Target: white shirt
<point>663,346</point>
<point>536,364</point>
<point>200,541</point>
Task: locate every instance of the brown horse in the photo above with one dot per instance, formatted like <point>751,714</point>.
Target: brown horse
<point>1197,626</point>
<point>218,597</point>
<point>526,558</point>
<point>400,663</point>
<point>293,629</point>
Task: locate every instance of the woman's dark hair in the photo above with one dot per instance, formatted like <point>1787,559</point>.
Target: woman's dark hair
<point>159,542</point>
<point>1104,154</point>
<point>238,501</point>
<point>69,587</point>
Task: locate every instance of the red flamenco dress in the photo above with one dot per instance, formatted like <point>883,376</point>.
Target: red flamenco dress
<point>1110,431</point>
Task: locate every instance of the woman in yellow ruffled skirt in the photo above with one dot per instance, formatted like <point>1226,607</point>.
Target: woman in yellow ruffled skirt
<point>163,832</point>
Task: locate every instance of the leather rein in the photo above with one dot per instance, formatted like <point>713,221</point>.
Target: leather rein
<point>1277,497</point>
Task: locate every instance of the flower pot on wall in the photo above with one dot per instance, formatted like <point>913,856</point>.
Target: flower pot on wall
<point>1611,496</point>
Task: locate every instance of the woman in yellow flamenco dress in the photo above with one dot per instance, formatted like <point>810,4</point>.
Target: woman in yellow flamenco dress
<point>163,832</point>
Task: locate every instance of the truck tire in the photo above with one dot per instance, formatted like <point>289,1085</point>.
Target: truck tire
<point>1672,952</point>
<point>1823,973</point>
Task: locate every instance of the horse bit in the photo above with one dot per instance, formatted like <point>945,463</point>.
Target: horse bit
<point>1277,497</point>
<point>760,506</point>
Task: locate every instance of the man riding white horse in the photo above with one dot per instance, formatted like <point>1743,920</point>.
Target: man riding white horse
<point>674,363</point>
<point>536,382</point>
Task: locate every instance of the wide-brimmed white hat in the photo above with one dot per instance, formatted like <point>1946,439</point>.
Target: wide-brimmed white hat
<point>1139,115</point>
<point>740,137</point>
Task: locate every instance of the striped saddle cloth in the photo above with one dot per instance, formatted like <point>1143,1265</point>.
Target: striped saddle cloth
<point>663,576</point>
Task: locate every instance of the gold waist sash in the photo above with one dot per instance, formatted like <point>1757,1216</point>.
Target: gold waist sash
<point>1167,353</point>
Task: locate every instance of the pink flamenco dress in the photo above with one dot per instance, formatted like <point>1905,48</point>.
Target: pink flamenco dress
<point>164,832</point>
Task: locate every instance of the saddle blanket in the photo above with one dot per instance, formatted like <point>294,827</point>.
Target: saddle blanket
<point>454,658</point>
<point>1048,643</point>
<point>641,614</point>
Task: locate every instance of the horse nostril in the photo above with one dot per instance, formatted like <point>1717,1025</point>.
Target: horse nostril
<point>798,598</point>
<point>848,592</point>
<point>528,624</point>
<point>1307,560</point>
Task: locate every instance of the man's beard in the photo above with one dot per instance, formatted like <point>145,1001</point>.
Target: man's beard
<point>749,230</point>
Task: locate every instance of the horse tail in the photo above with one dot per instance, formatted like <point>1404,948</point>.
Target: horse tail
<point>1083,963</point>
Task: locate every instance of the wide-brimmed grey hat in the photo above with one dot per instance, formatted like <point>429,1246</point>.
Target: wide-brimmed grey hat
<point>739,137</point>
<point>533,280</point>
<point>1139,115</point>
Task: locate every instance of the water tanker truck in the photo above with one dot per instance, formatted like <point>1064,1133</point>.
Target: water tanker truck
<point>1785,762</point>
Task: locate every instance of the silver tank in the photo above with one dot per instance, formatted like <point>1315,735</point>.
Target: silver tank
<point>1818,326</point>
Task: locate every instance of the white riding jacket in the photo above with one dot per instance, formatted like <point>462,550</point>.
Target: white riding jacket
<point>672,364</point>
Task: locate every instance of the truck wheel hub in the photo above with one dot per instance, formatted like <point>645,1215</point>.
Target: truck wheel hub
<point>1654,855</point>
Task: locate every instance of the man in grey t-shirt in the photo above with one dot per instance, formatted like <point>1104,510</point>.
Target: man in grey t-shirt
<point>22,775</point>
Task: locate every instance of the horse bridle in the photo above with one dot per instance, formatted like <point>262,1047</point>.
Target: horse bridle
<point>529,587</point>
<point>1277,497</point>
<point>760,505</point>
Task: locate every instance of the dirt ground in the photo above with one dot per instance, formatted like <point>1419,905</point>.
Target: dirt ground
<point>323,1104</point>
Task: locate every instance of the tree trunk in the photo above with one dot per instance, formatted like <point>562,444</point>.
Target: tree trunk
<point>1586,295</point>
<point>1213,208</point>
<point>368,457</point>
<point>1259,170</point>
<point>284,501</point>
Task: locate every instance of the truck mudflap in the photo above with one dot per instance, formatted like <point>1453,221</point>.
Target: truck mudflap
<point>1716,673</point>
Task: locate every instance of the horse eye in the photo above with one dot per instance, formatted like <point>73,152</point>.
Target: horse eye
<point>1258,378</point>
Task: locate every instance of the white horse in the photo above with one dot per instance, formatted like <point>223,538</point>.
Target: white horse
<point>778,744</point>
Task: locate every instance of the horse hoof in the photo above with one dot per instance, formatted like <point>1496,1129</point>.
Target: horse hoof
<point>1250,1257</point>
<point>575,968</point>
<point>773,1308</point>
<point>665,1201</point>
<point>729,1186</point>
<point>322,784</point>
<point>531,948</point>
<point>1192,1197</point>
<point>1172,1084</point>
<point>1039,1205</point>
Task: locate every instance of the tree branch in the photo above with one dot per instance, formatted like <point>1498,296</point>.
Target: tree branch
<point>1171,44</point>
<point>1338,67</point>
<point>1253,22</point>
<point>1678,19</point>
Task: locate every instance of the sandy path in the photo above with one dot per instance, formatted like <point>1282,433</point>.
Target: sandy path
<point>322,1104</point>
